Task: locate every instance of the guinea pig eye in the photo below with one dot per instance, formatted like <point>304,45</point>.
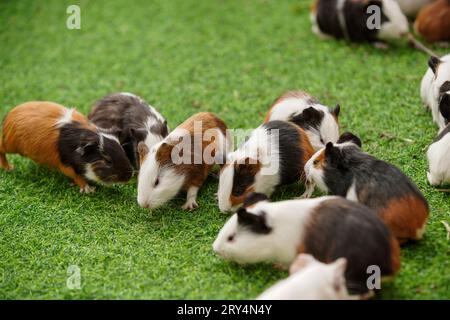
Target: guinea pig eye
<point>316,162</point>
<point>321,141</point>
<point>231,238</point>
<point>156,182</point>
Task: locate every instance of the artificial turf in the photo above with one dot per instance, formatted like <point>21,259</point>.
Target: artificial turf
<point>184,56</point>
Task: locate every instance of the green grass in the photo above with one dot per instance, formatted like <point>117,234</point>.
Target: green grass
<point>231,57</point>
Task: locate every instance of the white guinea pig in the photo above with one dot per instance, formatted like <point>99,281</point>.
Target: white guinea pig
<point>411,7</point>
<point>349,19</point>
<point>435,89</point>
<point>275,154</point>
<point>319,122</point>
<point>310,280</point>
<point>182,161</point>
<point>438,154</point>
<point>327,228</point>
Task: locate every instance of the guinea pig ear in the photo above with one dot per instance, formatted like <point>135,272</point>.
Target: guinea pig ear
<point>301,262</point>
<point>254,198</point>
<point>143,151</point>
<point>332,153</point>
<point>255,222</point>
<point>87,146</point>
<point>434,63</point>
<point>337,110</point>
<point>350,137</point>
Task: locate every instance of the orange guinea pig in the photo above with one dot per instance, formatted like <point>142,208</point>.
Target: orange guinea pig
<point>62,138</point>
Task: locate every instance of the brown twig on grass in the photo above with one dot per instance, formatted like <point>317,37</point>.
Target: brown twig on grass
<point>447,227</point>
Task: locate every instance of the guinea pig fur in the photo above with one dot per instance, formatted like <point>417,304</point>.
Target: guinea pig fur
<point>62,138</point>
<point>310,280</point>
<point>411,7</point>
<point>344,169</point>
<point>162,175</point>
<point>132,120</point>
<point>433,22</point>
<point>348,19</point>
<point>327,227</point>
<point>274,154</point>
<point>438,154</point>
<point>319,122</point>
<point>435,89</point>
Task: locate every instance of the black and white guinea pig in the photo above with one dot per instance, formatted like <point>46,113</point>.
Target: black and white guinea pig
<point>319,122</point>
<point>438,155</point>
<point>435,89</point>
<point>64,139</point>
<point>182,161</point>
<point>344,169</point>
<point>131,119</point>
<point>348,19</point>
<point>274,154</point>
<point>412,7</point>
<point>311,280</point>
<point>327,227</point>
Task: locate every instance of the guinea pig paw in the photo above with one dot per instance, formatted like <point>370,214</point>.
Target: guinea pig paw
<point>381,45</point>
<point>87,189</point>
<point>190,205</point>
<point>8,167</point>
<point>280,266</point>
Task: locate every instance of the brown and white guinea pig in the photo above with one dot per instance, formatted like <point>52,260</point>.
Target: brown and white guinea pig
<point>327,227</point>
<point>274,154</point>
<point>319,122</point>
<point>132,120</point>
<point>182,161</point>
<point>64,139</point>
<point>348,19</point>
<point>310,280</point>
<point>344,169</point>
<point>411,7</point>
<point>435,89</point>
<point>433,22</point>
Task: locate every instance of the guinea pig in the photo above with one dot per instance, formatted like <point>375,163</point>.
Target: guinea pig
<point>310,280</point>
<point>274,154</point>
<point>327,227</point>
<point>438,154</point>
<point>182,161</point>
<point>411,7</point>
<point>320,123</point>
<point>435,89</point>
<point>132,120</point>
<point>433,22</point>
<point>64,139</point>
<point>344,169</point>
<point>348,19</point>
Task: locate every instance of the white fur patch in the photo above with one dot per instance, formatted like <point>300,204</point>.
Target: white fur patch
<point>314,174</point>
<point>438,156</point>
<point>90,174</point>
<point>397,26</point>
<point>351,193</point>
<point>66,118</point>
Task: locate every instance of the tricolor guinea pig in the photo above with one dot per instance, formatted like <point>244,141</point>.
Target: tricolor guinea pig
<point>182,161</point>
<point>411,7</point>
<point>344,169</point>
<point>274,154</point>
<point>438,155</point>
<point>319,122</point>
<point>348,19</point>
<point>327,227</point>
<point>132,120</point>
<point>62,138</point>
<point>435,89</point>
<point>433,21</point>
<point>310,280</point>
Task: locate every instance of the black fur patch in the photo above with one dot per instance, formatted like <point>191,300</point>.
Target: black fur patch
<point>376,181</point>
<point>310,118</point>
<point>254,222</point>
<point>355,14</point>
<point>444,107</point>
<point>350,137</point>
<point>129,114</point>
<point>434,63</point>
<point>341,228</point>
<point>78,146</point>
<point>244,177</point>
<point>253,198</point>
<point>291,155</point>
